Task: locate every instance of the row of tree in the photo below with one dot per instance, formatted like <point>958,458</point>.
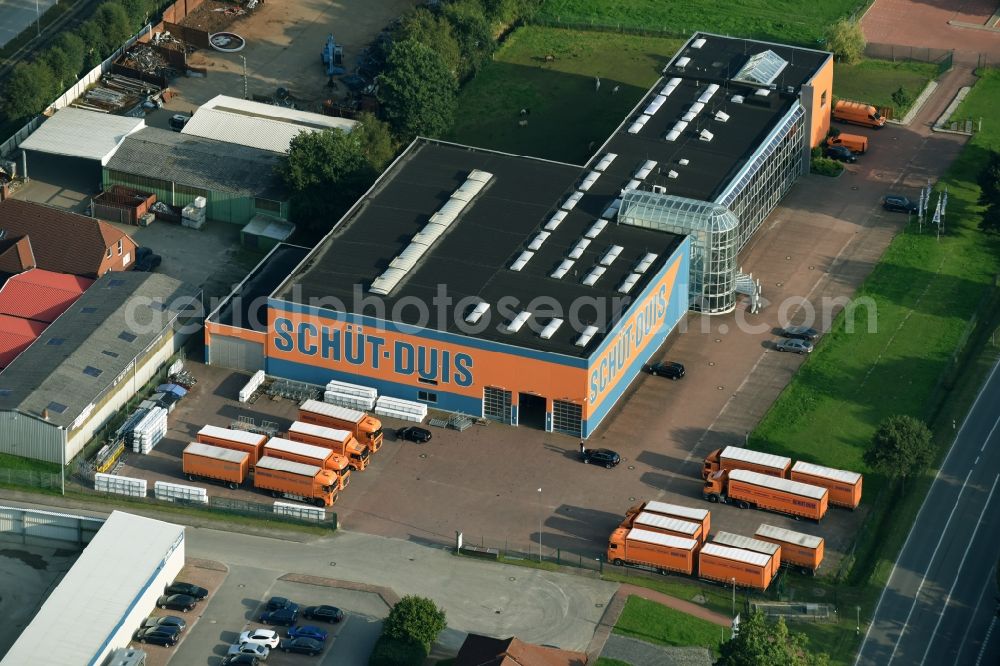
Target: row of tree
<point>34,85</point>
<point>989,193</point>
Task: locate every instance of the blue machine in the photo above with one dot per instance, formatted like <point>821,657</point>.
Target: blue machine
<point>333,57</point>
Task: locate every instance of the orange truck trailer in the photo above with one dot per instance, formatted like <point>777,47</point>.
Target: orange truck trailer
<point>341,442</point>
<point>735,457</point>
<point>723,564</point>
<point>858,113</point>
<point>844,486</point>
<point>366,429</point>
<point>310,454</point>
<point>772,550</point>
<point>205,461</point>
<point>702,516</point>
<point>295,480</point>
<point>237,440</point>
<point>652,550</point>
<point>802,550</point>
<point>748,489</point>
<point>654,522</point>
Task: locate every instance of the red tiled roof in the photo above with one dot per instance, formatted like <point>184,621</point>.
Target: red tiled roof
<point>63,242</point>
<point>40,295</point>
<point>16,255</point>
<point>479,650</point>
<point>15,336</point>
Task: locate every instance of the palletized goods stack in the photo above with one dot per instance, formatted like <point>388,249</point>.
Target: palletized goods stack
<point>401,409</point>
<point>193,215</point>
<point>150,430</point>
<point>350,395</point>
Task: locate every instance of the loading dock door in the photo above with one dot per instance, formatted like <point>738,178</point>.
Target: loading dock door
<point>567,418</point>
<point>236,354</point>
<point>531,410</point>
<point>496,404</point>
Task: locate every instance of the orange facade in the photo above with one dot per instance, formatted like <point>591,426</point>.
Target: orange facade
<point>821,103</point>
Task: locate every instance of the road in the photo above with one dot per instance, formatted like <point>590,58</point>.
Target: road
<point>940,604</point>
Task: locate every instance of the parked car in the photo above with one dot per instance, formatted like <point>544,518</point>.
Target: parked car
<point>240,660</point>
<point>158,635</point>
<point>896,203</point>
<point>799,333</point>
<point>797,346</point>
<point>306,631</point>
<point>252,649</point>
<point>278,603</point>
<point>605,457</point>
<point>668,369</point>
<point>282,617</point>
<point>414,434</point>
<point>325,613</point>
<point>146,260</point>
<point>178,121</point>
<point>302,646</point>
<point>840,153</point>
<point>165,621</point>
<point>266,637</point>
<point>181,602</point>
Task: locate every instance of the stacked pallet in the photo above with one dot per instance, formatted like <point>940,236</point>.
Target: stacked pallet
<point>354,396</point>
<point>148,432</point>
<point>252,386</point>
<point>194,214</point>
<point>171,492</point>
<point>407,410</point>
<point>119,485</point>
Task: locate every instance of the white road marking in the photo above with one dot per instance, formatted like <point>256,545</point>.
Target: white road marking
<point>975,611</point>
<point>986,640</point>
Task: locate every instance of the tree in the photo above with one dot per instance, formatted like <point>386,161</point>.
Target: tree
<point>417,92</point>
<point>415,619</point>
<point>94,43</point>
<point>760,642</point>
<point>901,447</point>
<point>115,27</point>
<point>376,142</point>
<point>30,88</point>
<point>901,98</point>
<point>846,40</point>
<point>432,30</point>
<point>75,51</point>
<point>473,32</point>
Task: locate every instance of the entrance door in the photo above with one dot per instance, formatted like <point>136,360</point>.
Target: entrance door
<point>531,410</point>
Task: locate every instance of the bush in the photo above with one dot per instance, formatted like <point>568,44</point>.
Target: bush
<point>846,40</point>
<point>817,152</point>
<point>901,98</point>
<point>417,91</point>
<point>395,652</point>
<point>415,619</point>
<point>824,166</point>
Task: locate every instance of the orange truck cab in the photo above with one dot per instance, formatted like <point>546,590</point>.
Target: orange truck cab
<point>295,480</point>
<point>854,142</point>
<point>858,113</point>
<point>339,441</point>
<point>366,429</point>
<point>737,457</point>
<point>310,454</point>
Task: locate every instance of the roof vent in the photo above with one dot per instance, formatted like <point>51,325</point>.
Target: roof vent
<point>721,116</point>
<point>646,169</point>
<point>586,336</point>
<point>629,282</point>
<point>698,43</point>
<point>537,241</point>
<point>645,263</point>
<point>550,329</point>
<point>605,161</point>
<point>672,174</point>
<point>596,228</point>
<point>659,189</point>
<point>563,268</point>
<point>572,200</point>
<point>612,254</point>
<point>595,273</point>
<point>522,260</point>
<point>578,249</point>
<point>705,135</point>
<point>477,312</point>
<point>737,99</point>
<point>684,161</point>
<point>682,62</point>
<point>517,322</point>
<point>555,220</point>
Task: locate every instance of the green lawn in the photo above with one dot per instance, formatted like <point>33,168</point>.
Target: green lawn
<point>656,623</point>
<point>568,119</point>
<point>983,104</point>
<point>604,661</point>
<point>790,21</point>
<point>874,81</point>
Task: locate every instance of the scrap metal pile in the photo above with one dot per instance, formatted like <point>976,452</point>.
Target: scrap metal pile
<point>144,58</point>
<point>116,94</point>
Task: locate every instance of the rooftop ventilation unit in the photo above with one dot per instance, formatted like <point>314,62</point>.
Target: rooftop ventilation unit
<point>721,116</point>
<point>762,92</point>
<point>555,220</point>
<point>639,123</point>
<point>595,273</point>
<point>590,179</point>
<point>517,322</point>
<point>628,283</point>
<point>578,249</point>
<point>659,189</point>
<point>672,174</point>
<point>605,161</point>
<point>645,263</point>
<point>737,99</point>
<point>646,169</point>
<point>698,43</point>
<point>612,210</point>
<point>572,200</point>
<point>522,260</point>
<point>682,62</point>
<point>705,135</point>
<point>477,312</point>
<point>586,336</point>
<point>562,269</point>
<point>550,329</point>
<point>537,241</point>
<point>612,254</point>
<point>596,228</point>
<point>684,161</point>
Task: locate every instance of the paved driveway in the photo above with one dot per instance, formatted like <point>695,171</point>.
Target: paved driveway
<point>936,24</point>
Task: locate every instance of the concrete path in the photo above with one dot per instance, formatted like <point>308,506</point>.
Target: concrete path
<point>641,653</point>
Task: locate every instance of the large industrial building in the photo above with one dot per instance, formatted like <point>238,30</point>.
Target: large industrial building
<point>530,291</point>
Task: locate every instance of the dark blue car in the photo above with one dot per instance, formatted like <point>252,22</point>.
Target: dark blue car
<point>307,631</point>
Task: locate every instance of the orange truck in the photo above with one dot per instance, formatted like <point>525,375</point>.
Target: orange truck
<point>748,489</point>
<point>205,461</point>
<point>340,442</point>
<point>853,142</point>
<point>726,565</point>
<point>237,440</point>
<point>295,480</point>
<point>654,522</point>
<point>802,550</point>
<point>702,516</point>
<point>652,550</point>
<point>310,454</point>
<point>736,457</point>
<point>772,550</point>
<point>844,486</point>
<point>858,113</point>
<point>366,429</point>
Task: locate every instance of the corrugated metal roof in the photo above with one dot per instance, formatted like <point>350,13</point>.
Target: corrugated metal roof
<point>269,227</point>
<point>80,133</point>
<point>788,536</point>
<point>241,436</point>
<point>335,411</point>
<point>210,451</point>
<point>299,448</point>
<point>827,472</point>
<point>756,457</point>
<point>668,540</point>
<point>281,113</point>
<point>270,462</point>
<point>324,432</point>
<point>737,554</point>
<point>113,571</point>
<point>745,542</point>
<point>646,519</point>
<point>777,483</point>
<point>246,130</point>
<point>677,510</point>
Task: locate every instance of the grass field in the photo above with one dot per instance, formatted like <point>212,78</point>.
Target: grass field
<point>874,81</point>
<point>604,661</point>
<point>656,623</point>
<point>568,119</point>
<point>791,21</point>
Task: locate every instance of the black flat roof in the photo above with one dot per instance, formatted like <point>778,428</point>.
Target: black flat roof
<point>246,307</point>
<point>473,257</point>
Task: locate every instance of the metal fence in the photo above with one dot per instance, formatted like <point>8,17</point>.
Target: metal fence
<point>31,479</point>
<point>895,52</point>
<point>645,31</point>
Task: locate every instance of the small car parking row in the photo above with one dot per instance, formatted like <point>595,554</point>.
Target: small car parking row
<point>256,645</point>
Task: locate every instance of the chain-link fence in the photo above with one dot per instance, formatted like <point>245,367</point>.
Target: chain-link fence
<point>644,31</point>
<point>943,58</point>
<point>31,479</point>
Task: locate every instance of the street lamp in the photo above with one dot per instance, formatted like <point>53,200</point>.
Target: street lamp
<point>245,92</point>
<point>857,629</point>
<point>734,596</point>
<point>540,524</point>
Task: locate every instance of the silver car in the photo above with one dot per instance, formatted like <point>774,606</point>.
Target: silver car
<point>254,649</point>
<point>793,345</point>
